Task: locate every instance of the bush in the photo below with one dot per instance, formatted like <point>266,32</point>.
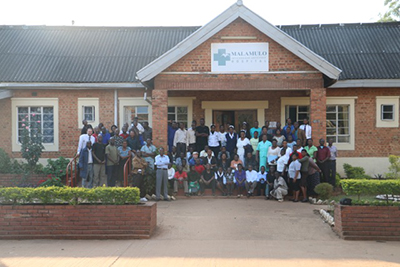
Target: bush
<point>324,190</point>
<point>337,180</point>
<point>56,168</point>
<point>52,181</point>
<point>69,195</point>
<point>394,168</point>
<point>355,172</point>
<point>371,187</point>
<point>31,140</point>
<point>5,162</point>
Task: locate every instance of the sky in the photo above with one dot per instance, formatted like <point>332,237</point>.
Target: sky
<point>183,12</point>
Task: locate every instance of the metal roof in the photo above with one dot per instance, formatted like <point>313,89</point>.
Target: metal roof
<point>82,54</point>
<point>361,51</point>
<point>71,54</point>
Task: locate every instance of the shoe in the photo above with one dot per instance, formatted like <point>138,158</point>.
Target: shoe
<point>143,199</point>
<point>148,196</point>
<point>295,200</point>
<point>173,198</point>
<point>280,200</point>
<point>304,200</point>
<point>153,197</point>
<point>238,196</point>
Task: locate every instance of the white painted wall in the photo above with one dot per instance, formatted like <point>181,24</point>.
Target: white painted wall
<point>372,166</point>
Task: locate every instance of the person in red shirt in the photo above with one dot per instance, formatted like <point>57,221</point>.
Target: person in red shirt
<point>198,167</point>
<point>323,155</point>
<point>124,134</point>
<point>180,179</point>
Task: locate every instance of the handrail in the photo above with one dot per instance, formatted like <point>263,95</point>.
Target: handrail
<point>127,170</point>
<point>71,172</point>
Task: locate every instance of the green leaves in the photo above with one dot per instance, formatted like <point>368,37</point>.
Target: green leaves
<point>69,195</point>
<point>324,190</point>
<point>354,172</point>
<point>370,187</point>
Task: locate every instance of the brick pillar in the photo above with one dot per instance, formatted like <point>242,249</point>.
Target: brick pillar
<point>318,113</point>
<point>160,118</point>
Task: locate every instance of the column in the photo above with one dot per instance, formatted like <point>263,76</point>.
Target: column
<point>318,113</point>
<point>160,118</point>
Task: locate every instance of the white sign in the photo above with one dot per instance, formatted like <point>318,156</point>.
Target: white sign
<point>239,57</point>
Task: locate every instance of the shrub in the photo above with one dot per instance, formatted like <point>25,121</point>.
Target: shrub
<point>56,168</point>
<point>69,195</point>
<point>337,180</point>
<point>355,172</point>
<point>31,140</point>
<point>394,168</point>
<point>5,162</point>
<point>150,181</point>
<point>324,190</point>
<point>371,187</point>
<point>52,181</point>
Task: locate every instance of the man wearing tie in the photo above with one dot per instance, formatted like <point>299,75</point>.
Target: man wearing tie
<point>306,128</point>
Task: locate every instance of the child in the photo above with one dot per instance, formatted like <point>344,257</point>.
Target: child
<point>229,180</point>
<point>220,177</point>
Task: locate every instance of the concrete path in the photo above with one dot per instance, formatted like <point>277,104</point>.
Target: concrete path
<point>215,232</point>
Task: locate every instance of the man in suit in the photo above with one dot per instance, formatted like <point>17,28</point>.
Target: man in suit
<point>86,165</point>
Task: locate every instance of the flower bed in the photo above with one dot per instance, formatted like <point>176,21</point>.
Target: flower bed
<point>75,213</point>
<point>8,180</point>
<point>367,222</point>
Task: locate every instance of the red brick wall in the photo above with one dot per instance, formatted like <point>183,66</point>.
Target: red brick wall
<point>367,223</point>
<point>280,59</point>
<point>68,115</point>
<point>78,222</point>
<point>10,180</point>
<point>318,113</point>
<point>370,141</point>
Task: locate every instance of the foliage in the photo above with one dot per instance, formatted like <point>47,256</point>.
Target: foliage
<point>5,162</point>
<point>56,168</point>
<point>374,203</point>
<point>355,172</point>
<point>393,13</point>
<point>324,190</point>
<point>150,181</point>
<point>394,168</point>
<point>69,195</point>
<point>337,180</point>
<point>371,187</point>
<point>31,141</point>
<point>52,181</point>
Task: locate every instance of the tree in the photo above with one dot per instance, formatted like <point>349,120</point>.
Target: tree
<point>393,13</point>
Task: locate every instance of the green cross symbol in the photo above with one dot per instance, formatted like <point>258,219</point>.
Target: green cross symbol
<point>222,57</point>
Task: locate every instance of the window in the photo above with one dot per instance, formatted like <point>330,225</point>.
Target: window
<point>387,112</point>
<point>41,119</point>
<point>338,123</point>
<point>297,113</point>
<point>88,113</point>
<point>130,112</point>
<point>178,114</point>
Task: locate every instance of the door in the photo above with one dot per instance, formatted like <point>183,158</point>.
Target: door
<point>249,116</point>
<point>223,117</point>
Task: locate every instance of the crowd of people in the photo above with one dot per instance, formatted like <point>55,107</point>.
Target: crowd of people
<point>268,160</point>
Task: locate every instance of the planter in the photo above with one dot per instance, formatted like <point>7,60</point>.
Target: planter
<point>367,223</point>
<point>78,222</point>
<point>10,180</point>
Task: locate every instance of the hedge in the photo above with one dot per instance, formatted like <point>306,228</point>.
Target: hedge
<point>370,187</point>
<point>69,195</point>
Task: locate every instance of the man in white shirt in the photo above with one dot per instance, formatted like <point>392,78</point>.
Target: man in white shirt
<point>214,140</point>
<point>295,176</point>
<point>251,180</point>
<point>162,161</point>
<point>306,128</point>
<point>138,126</point>
<point>222,135</point>
<point>191,136</point>
<point>180,139</point>
<point>84,138</point>
<point>299,145</point>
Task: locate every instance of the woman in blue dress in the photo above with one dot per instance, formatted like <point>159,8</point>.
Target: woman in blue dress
<point>240,179</point>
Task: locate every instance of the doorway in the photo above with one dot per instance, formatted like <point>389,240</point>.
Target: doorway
<point>234,117</point>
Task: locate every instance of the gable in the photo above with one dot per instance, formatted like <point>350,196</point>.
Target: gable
<point>219,23</point>
<point>280,58</point>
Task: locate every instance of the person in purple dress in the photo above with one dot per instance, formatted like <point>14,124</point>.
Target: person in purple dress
<point>240,179</point>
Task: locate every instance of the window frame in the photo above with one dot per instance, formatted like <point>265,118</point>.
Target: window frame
<point>134,102</point>
<point>337,124</point>
<point>382,101</point>
<point>349,101</point>
<point>34,102</point>
<point>88,102</point>
<point>287,107</point>
<point>93,113</point>
<point>176,113</point>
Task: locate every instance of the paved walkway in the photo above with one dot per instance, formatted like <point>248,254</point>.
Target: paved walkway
<point>214,232</point>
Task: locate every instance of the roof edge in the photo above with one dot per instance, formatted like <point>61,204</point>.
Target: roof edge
<point>65,86</point>
<point>392,83</point>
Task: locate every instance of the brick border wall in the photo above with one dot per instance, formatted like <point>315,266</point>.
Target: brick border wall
<point>78,222</point>
<point>10,180</point>
<point>367,223</point>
